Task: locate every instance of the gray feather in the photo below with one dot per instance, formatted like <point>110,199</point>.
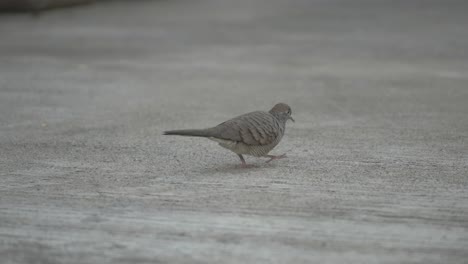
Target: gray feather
<point>255,128</point>
<point>190,132</point>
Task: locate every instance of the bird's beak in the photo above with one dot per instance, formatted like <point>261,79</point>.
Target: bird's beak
<point>292,119</point>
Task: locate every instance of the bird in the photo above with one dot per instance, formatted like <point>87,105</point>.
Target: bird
<point>255,133</point>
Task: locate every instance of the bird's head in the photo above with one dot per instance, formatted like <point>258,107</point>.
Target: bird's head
<point>282,111</point>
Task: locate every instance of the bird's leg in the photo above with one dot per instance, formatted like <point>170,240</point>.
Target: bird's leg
<point>244,164</point>
<point>273,157</point>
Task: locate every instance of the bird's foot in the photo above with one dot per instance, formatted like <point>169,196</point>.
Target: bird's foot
<point>243,163</point>
<point>272,157</point>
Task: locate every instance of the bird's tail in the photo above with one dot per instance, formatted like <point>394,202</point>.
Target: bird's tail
<point>190,132</point>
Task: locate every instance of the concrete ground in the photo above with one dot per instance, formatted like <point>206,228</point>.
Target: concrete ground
<point>378,157</point>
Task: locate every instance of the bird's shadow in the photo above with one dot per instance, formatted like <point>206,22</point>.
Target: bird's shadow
<point>237,168</point>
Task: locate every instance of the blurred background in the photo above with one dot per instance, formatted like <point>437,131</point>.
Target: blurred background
<point>377,167</point>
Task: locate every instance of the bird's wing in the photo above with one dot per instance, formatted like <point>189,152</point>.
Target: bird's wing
<point>255,128</point>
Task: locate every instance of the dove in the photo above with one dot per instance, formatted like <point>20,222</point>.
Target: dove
<point>255,133</point>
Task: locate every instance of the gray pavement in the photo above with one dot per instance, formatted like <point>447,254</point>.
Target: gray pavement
<point>378,157</point>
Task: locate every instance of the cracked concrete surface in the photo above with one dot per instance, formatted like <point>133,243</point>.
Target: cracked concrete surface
<point>377,168</point>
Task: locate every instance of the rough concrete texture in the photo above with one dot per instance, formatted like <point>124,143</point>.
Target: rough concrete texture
<point>377,169</point>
